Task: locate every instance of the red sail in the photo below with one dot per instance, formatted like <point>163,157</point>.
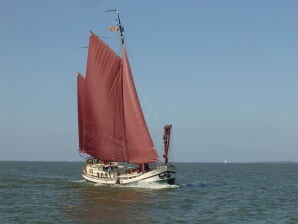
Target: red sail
<point>113,126</point>
<point>104,129</point>
<point>139,143</point>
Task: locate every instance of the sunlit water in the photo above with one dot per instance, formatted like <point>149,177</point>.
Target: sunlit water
<point>54,192</point>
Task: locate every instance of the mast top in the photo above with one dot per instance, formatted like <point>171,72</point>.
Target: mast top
<point>120,27</point>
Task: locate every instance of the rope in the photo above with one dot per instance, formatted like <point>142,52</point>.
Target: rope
<point>148,101</point>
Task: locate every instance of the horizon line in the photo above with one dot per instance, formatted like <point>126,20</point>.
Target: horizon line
<point>224,162</point>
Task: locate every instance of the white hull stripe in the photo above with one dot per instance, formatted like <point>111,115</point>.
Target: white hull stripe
<point>96,180</point>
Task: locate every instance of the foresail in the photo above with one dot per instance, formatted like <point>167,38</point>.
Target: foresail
<point>139,143</point>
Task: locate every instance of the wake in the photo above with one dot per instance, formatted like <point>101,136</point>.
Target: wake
<point>134,185</point>
<point>150,186</point>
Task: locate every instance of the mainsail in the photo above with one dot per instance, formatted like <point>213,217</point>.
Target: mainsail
<point>111,122</point>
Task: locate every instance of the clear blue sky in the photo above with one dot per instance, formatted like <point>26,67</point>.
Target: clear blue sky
<point>224,73</point>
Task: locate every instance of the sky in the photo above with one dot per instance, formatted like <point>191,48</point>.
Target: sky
<point>223,73</point>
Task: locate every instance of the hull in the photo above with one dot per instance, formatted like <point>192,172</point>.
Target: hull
<point>163,174</point>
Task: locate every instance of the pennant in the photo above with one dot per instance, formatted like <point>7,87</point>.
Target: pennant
<point>113,28</point>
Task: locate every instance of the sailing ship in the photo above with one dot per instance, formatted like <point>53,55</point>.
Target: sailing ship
<point>113,134</point>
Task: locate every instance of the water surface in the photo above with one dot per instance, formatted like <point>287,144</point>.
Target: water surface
<point>54,192</point>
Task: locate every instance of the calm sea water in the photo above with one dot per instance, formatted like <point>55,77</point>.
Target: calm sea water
<point>53,192</point>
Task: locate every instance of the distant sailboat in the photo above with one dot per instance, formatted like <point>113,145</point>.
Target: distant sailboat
<point>113,135</point>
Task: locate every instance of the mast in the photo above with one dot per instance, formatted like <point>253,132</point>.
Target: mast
<point>166,141</point>
<point>119,25</point>
<point>120,28</point>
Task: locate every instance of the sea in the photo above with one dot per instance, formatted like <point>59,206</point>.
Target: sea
<point>54,192</point>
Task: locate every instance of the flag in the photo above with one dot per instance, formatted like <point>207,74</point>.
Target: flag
<point>113,28</point>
